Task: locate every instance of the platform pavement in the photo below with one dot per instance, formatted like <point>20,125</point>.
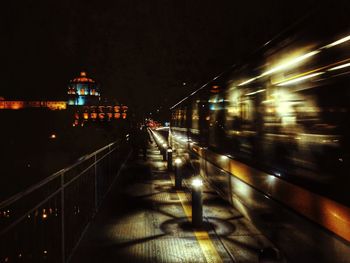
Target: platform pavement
<point>145,219</point>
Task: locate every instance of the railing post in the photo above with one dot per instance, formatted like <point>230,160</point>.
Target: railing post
<point>109,161</point>
<point>178,175</point>
<point>63,243</point>
<point>95,180</point>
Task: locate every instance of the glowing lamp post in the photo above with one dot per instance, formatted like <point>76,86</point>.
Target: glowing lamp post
<point>178,176</point>
<point>197,202</point>
<point>170,158</point>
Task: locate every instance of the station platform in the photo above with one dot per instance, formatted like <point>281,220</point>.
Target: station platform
<point>145,219</point>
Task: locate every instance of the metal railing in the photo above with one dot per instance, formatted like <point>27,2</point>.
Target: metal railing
<point>46,222</point>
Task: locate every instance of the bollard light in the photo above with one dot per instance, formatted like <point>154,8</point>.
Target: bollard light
<point>170,158</point>
<point>178,161</point>
<point>197,182</point>
<point>197,202</point>
<point>178,175</point>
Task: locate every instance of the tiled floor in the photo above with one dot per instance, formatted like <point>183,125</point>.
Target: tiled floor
<point>144,219</point>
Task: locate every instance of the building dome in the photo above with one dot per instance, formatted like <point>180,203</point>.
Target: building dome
<point>82,79</point>
<point>83,90</point>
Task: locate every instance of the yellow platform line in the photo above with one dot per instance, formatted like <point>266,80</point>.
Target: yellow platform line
<point>209,251</point>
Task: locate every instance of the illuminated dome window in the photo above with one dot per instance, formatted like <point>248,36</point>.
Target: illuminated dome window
<point>82,78</point>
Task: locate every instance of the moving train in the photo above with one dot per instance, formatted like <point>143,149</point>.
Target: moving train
<point>277,126</point>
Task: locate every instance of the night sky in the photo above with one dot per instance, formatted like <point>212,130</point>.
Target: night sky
<point>141,52</point>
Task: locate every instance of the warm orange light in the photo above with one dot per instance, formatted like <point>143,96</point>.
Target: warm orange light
<point>53,136</point>
<point>215,89</point>
<point>86,115</point>
<point>44,214</point>
<point>56,105</point>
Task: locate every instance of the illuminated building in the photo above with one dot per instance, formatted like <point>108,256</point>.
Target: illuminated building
<point>83,91</point>
<point>18,104</point>
<point>104,113</point>
<point>84,99</point>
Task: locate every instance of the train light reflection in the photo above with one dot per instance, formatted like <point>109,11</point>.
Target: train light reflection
<point>338,42</point>
<point>290,63</point>
<point>284,108</point>
<point>278,174</point>
<point>269,110</point>
<point>340,67</point>
<point>297,80</point>
<point>282,66</point>
<point>247,81</point>
<point>255,92</point>
<point>224,157</point>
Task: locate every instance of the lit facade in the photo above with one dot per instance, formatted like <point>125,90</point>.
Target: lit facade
<point>84,98</point>
<point>104,113</point>
<point>83,91</point>
<point>18,105</point>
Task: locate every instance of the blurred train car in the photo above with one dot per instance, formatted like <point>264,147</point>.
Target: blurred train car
<point>279,123</point>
